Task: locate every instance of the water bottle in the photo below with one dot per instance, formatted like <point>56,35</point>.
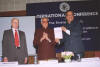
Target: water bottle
<point>78,57</point>
<point>35,59</point>
<point>0,59</point>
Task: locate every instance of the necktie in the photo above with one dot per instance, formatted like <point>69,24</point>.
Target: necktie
<point>16,39</point>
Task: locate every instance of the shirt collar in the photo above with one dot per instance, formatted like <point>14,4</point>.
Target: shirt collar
<point>14,29</point>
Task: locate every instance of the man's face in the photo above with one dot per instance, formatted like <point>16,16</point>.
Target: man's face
<point>15,23</point>
<point>70,16</point>
<point>44,23</point>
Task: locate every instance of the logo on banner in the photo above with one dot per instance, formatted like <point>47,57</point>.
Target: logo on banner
<point>64,7</point>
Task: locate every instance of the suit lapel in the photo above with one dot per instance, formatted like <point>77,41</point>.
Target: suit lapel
<point>12,37</point>
<point>20,37</point>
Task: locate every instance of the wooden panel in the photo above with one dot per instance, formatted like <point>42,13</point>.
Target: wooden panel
<point>58,56</point>
<point>97,53</point>
<point>31,60</point>
<point>86,54</point>
<point>13,13</point>
<point>89,54</point>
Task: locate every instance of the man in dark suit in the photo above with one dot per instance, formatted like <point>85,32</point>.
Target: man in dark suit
<point>72,36</point>
<point>14,44</point>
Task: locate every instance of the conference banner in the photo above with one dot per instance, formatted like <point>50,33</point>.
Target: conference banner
<point>86,12</point>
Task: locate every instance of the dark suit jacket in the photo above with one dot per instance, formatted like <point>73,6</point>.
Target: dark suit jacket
<point>8,46</point>
<point>73,41</point>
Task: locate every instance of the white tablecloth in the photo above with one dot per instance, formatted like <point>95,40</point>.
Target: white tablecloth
<point>86,62</point>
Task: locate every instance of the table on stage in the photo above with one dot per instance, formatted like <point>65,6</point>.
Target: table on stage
<point>86,62</point>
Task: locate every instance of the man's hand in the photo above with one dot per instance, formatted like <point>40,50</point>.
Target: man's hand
<point>63,28</point>
<point>5,59</point>
<point>46,36</point>
<point>57,40</point>
<point>25,61</point>
<point>43,37</point>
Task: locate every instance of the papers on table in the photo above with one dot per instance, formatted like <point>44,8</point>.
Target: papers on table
<point>8,63</point>
<point>91,59</point>
<point>58,33</point>
<point>48,62</point>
